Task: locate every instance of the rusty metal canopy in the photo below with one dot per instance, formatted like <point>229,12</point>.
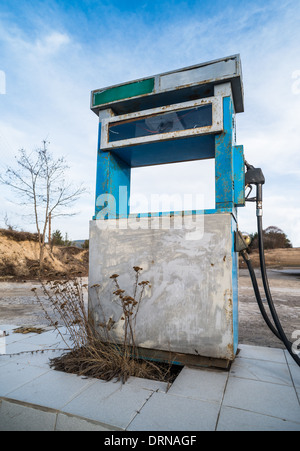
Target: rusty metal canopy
<point>177,86</point>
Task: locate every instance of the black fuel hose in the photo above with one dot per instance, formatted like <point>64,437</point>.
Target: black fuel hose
<point>272,308</point>
<point>258,296</point>
<point>254,176</point>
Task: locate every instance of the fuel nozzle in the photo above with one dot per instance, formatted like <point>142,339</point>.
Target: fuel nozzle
<point>255,176</point>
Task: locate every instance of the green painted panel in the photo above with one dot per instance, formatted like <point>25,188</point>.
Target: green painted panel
<point>113,94</point>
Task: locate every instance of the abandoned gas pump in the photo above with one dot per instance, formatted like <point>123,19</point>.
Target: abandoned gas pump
<point>190,309</point>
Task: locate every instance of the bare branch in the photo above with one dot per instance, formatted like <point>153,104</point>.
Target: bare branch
<point>40,180</point>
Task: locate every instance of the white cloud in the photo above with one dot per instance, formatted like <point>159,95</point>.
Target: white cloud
<point>2,82</point>
<point>51,44</point>
<point>296,82</point>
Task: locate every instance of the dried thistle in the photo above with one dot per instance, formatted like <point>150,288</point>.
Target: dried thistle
<point>93,352</point>
<point>119,292</point>
<point>137,269</point>
<point>130,306</point>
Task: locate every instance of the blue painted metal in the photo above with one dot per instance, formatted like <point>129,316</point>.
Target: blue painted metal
<point>224,159</point>
<point>180,213</point>
<point>112,185</point>
<point>114,168</point>
<point>173,151</point>
<point>239,176</point>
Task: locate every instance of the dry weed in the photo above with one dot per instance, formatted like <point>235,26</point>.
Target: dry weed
<point>91,351</point>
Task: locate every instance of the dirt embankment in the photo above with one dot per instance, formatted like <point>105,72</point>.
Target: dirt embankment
<point>19,258</point>
<point>19,254</point>
<point>276,258</point>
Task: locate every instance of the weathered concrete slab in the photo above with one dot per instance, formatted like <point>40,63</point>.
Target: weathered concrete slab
<point>18,417</point>
<point>189,307</point>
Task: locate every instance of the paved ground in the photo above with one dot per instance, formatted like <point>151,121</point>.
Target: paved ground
<point>260,392</point>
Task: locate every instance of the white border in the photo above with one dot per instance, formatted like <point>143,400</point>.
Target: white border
<point>216,127</point>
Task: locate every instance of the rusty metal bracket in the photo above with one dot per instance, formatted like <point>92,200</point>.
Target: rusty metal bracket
<point>239,242</point>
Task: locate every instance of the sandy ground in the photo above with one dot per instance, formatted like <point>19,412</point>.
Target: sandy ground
<point>19,258</point>
<point>285,290</point>
<point>277,258</point>
<point>18,306</point>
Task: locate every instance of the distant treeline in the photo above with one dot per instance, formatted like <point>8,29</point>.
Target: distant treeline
<point>273,237</point>
<point>56,239</point>
<point>19,236</point>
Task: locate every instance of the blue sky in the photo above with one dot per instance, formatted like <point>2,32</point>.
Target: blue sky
<point>53,53</point>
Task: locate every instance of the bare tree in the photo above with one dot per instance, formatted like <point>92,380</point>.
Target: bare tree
<point>39,181</point>
<point>274,238</point>
<point>7,223</point>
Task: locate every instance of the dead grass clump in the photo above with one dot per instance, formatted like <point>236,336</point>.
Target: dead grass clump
<point>19,236</point>
<point>28,330</point>
<point>106,361</point>
<point>91,351</point>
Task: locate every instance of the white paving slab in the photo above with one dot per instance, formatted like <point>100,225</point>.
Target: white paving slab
<point>69,423</point>
<point>232,419</point>
<point>21,347</point>
<point>261,370</point>
<point>53,389</point>
<point>14,376</point>
<point>165,412</point>
<point>19,418</point>
<point>4,359</point>
<point>289,359</point>
<point>261,353</point>
<point>7,327</point>
<point>204,384</point>
<point>147,384</point>
<point>50,339</point>
<point>34,349</point>
<point>110,403</point>
<point>16,338</point>
<point>39,359</point>
<point>44,339</point>
<point>262,397</point>
<point>295,372</point>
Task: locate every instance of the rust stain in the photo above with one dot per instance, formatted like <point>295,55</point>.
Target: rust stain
<point>230,351</point>
<point>228,305</point>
